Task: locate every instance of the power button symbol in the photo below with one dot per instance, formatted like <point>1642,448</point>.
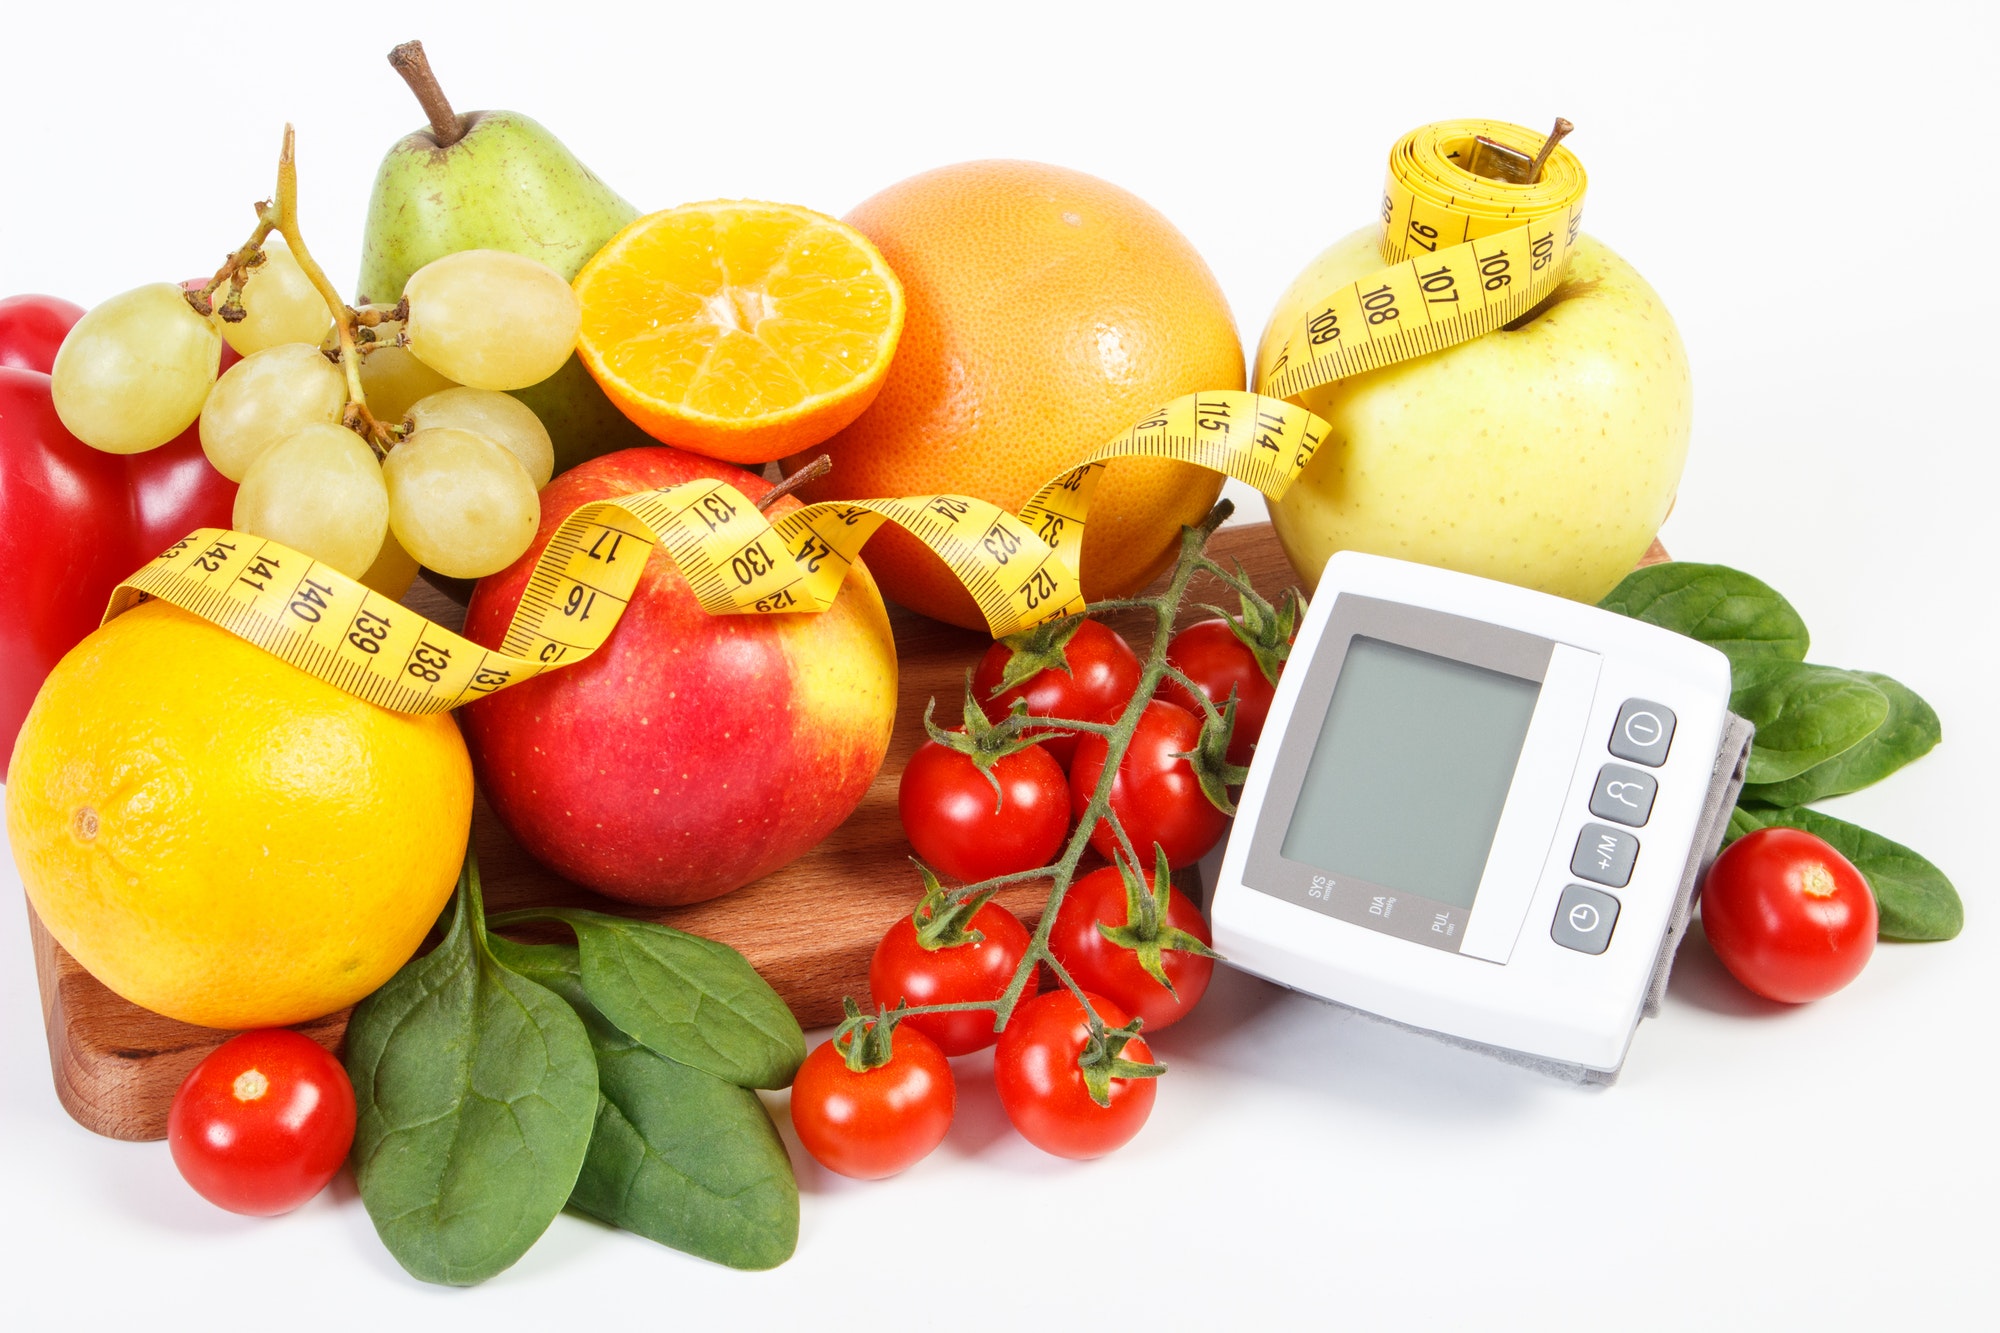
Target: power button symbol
<point>1643,729</point>
<point>1643,732</point>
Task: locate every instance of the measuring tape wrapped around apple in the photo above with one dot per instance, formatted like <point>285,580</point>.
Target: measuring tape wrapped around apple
<point>1468,250</point>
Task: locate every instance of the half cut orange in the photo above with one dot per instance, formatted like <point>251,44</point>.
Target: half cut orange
<point>737,329</point>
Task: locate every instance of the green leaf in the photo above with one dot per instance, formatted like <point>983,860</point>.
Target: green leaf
<point>689,999</point>
<point>678,1156</point>
<point>688,1160</point>
<point>1913,899</point>
<point>475,1092</point>
<point>1732,611</point>
<point>1909,732</point>
<point>1741,821</point>
<point>1804,714</point>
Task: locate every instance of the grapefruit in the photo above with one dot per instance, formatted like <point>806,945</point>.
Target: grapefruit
<point>1047,311</point>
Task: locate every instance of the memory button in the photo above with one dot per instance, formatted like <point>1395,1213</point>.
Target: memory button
<point>1604,855</point>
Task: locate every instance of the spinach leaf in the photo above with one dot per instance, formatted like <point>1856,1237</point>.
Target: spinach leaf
<point>1908,734</point>
<point>1742,616</point>
<point>687,998</point>
<point>678,1156</point>
<point>1913,899</point>
<point>1804,714</point>
<point>1741,821</point>
<point>474,1092</point>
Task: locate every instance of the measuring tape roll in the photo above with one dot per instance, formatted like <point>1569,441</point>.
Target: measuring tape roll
<point>1467,254</point>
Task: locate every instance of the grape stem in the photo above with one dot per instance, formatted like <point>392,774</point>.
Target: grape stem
<point>281,214</point>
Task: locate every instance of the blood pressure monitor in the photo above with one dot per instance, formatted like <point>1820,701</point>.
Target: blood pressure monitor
<point>1479,810</point>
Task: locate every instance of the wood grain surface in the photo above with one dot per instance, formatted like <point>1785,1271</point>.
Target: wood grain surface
<point>809,928</point>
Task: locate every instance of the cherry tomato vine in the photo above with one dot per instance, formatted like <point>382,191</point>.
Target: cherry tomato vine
<point>1103,1056</point>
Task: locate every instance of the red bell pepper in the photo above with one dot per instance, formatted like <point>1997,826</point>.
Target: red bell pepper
<point>73,520</point>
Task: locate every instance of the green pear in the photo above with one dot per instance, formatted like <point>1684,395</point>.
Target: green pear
<point>496,180</point>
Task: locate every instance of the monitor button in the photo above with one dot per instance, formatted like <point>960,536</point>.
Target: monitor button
<point>1623,795</point>
<point>1604,855</point>
<point>1584,919</point>
<point>1644,731</point>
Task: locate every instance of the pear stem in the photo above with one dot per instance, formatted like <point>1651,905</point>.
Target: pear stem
<point>410,61</point>
<point>819,467</point>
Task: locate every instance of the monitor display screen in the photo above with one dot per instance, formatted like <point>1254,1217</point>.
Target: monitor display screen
<point>1411,770</point>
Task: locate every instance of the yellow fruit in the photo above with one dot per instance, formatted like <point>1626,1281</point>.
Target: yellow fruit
<point>1048,311</point>
<point>740,330</point>
<point>223,839</point>
<point>1546,453</point>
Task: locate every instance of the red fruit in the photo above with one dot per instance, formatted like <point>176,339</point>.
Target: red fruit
<point>73,522</point>
<point>690,754</point>
<point>959,825</point>
<point>263,1123</point>
<point>174,491</point>
<point>1156,795</point>
<point>903,971</point>
<point>1106,967</point>
<point>1103,672</point>
<point>32,328</point>
<point>874,1122</point>
<point>1043,1089</point>
<point>1789,916</point>
<point>1209,653</point>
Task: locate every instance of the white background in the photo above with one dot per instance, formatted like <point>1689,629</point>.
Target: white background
<point>1811,193</point>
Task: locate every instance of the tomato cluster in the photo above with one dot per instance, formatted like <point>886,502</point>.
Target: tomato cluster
<point>992,799</point>
<point>976,804</point>
<point>869,1108</point>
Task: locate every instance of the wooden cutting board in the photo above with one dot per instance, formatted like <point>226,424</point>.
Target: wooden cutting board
<point>809,928</point>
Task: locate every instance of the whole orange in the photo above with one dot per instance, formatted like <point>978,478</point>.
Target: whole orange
<point>1046,312</point>
<point>222,838</point>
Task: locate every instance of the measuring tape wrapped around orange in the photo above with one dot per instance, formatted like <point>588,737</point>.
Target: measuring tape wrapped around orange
<point>1466,252</point>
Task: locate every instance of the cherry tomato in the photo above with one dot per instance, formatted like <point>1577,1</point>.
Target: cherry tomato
<point>1103,672</point>
<point>904,971</point>
<point>950,816</point>
<point>262,1124</point>
<point>1790,917</point>
<point>1043,1089</point>
<point>1155,795</point>
<point>1105,967</point>
<point>32,328</point>
<point>876,1122</point>
<point>1210,654</point>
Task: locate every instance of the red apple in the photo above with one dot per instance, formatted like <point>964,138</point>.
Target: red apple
<point>691,753</point>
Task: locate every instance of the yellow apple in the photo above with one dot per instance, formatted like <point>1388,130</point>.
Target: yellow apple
<point>1545,454</point>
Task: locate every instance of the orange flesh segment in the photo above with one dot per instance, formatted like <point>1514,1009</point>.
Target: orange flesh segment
<point>735,313</point>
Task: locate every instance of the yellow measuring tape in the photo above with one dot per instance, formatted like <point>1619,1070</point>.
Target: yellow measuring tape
<point>1467,255</point>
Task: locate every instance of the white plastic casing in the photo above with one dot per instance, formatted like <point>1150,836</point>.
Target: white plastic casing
<point>1509,984</point>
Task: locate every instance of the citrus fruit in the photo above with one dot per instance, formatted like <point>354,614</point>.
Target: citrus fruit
<point>1048,311</point>
<point>222,838</point>
<point>740,330</point>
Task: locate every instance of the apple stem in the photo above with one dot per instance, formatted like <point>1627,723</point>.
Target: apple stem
<point>410,61</point>
<point>1541,159</point>
<point>812,471</point>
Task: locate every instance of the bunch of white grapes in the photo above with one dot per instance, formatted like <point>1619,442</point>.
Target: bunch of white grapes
<point>457,492</point>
